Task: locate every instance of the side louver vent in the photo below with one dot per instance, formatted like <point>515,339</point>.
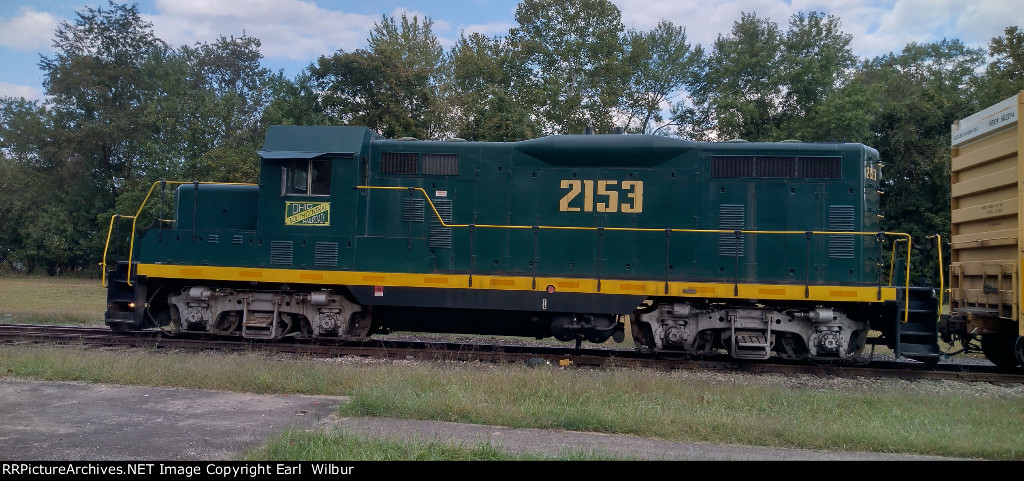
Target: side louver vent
<point>441,164</point>
<point>237,240</point>
<point>399,163</point>
<point>213,239</point>
<point>325,254</point>
<point>412,209</point>
<point>765,167</point>
<point>440,236</point>
<point>281,253</point>
<point>731,217</point>
<point>840,218</point>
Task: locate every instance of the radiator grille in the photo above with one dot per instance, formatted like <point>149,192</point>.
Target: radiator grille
<point>441,164</point>
<point>399,163</point>
<point>766,167</point>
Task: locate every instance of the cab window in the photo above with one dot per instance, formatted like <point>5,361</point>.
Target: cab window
<point>306,177</point>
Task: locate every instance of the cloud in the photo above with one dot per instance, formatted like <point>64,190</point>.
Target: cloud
<point>30,31</point>
<point>288,29</point>
<point>448,33</point>
<point>12,90</point>
<point>877,27</point>
<point>704,22</point>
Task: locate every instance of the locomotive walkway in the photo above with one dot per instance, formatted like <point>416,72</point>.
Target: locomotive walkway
<point>59,421</point>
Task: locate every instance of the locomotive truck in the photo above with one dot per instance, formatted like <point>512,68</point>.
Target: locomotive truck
<point>757,250</point>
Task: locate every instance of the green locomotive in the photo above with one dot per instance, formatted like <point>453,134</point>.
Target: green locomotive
<point>755,249</point>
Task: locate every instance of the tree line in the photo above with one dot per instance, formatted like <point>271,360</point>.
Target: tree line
<point>124,109</point>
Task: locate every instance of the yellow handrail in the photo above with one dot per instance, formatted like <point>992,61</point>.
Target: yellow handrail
<point>892,259</point>
<point>135,217</point>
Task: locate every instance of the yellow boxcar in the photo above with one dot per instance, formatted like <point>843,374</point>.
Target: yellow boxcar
<point>985,199</point>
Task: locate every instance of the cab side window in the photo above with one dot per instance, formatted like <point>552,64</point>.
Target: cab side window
<point>306,177</point>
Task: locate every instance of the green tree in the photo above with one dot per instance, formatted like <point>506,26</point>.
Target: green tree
<point>574,53</point>
<point>294,103</point>
<point>93,80</point>
<point>487,90</point>
<point>95,83</point>
<point>920,92</point>
<point>662,63</point>
<point>235,91</point>
<point>742,85</point>
<point>1004,76</point>
<point>816,62</point>
<point>392,87</point>
<point>25,180</point>
<point>762,84</point>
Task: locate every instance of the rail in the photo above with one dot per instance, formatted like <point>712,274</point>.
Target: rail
<point>134,218</point>
<point>903,237</point>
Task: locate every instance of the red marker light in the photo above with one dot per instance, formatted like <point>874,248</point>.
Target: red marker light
<point>551,289</point>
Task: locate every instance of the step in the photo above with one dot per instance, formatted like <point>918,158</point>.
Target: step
<point>751,346</point>
<point>919,350</point>
<point>751,340</point>
<point>918,330</point>
<point>259,325</point>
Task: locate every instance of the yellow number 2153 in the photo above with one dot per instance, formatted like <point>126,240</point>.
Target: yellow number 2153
<point>606,194</point>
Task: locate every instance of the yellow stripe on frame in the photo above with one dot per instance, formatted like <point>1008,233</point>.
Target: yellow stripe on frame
<point>522,283</point>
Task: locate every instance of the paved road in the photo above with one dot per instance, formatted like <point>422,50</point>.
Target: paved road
<point>58,421</point>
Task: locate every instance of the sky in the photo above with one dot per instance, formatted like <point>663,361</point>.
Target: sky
<point>294,33</point>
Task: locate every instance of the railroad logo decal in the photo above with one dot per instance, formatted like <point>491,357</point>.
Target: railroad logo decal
<point>307,213</point>
<point>607,196</point>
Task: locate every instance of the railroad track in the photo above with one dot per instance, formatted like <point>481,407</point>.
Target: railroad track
<point>490,350</point>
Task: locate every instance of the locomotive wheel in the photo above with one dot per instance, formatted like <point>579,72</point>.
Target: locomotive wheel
<point>1000,348</point>
<point>643,338</point>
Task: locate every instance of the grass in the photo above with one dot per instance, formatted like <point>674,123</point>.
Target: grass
<point>677,406</point>
<point>51,300</point>
<point>295,445</point>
